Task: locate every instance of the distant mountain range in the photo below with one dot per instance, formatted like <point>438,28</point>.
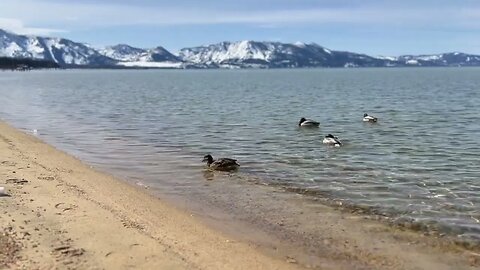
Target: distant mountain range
<point>243,54</point>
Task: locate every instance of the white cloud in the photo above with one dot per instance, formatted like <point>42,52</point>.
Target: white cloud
<point>16,26</point>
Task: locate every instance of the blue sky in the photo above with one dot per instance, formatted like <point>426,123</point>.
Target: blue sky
<point>367,26</point>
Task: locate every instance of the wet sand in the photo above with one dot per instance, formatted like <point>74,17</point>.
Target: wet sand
<point>60,213</point>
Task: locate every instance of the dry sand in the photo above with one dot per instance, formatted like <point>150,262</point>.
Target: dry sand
<point>62,214</point>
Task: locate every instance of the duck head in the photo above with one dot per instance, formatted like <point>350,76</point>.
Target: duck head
<point>330,136</point>
<point>365,115</point>
<point>208,159</point>
<point>302,120</point>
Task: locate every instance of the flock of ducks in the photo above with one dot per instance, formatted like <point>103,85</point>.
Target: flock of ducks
<point>228,164</point>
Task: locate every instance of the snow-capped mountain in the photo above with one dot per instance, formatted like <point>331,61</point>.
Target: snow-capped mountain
<point>274,55</point>
<point>68,53</point>
<point>126,53</point>
<point>444,59</point>
<point>122,52</point>
<point>129,56</point>
<point>227,53</point>
<point>61,51</point>
<point>242,54</point>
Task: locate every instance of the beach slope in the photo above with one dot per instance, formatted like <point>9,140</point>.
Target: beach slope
<point>61,214</point>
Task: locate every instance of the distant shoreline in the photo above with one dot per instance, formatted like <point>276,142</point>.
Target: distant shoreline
<point>23,64</point>
<point>26,64</point>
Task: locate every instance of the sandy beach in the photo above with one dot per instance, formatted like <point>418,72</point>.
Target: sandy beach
<point>61,214</point>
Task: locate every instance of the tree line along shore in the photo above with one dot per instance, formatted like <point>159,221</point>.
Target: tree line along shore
<point>24,64</point>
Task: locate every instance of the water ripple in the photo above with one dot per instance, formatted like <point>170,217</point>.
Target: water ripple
<point>419,162</point>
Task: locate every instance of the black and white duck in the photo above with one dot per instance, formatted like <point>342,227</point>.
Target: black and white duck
<point>332,140</point>
<point>369,118</point>
<point>308,123</point>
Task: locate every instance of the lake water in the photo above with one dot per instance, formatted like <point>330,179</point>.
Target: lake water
<point>420,161</point>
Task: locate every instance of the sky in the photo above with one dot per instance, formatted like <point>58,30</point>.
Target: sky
<point>374,27</point>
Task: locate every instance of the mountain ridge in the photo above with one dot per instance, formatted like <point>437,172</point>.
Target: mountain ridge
<point>226,54</point>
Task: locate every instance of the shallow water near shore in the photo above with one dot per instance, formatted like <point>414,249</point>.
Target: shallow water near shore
<point>419,163</point>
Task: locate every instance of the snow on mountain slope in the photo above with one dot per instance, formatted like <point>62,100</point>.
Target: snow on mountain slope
<point>122,52</point>
<point>68,53</point>
<point>218,53</point>
<point>145,64</point>
<point>273,54</point>
<point>389,58</point>
<point>15,46</point>
<point>131,56</point>
<point>160,54</point>
<point>444,59</point>
<point>62,51</point>
<point>242,54</point>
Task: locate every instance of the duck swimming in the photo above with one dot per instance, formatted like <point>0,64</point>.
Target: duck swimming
<point>221,164</point>
<point>332,140</point>
<point>369,118</point>
<point>307,123</point>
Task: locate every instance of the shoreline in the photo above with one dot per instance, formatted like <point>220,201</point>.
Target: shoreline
<point>64,214</point>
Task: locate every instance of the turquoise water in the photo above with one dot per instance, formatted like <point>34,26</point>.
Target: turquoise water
<point>419,162</point>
